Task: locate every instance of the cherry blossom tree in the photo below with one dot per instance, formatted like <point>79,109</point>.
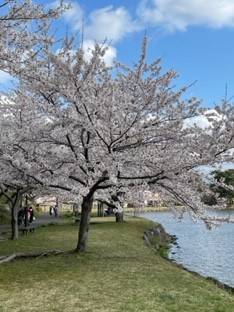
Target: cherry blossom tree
<point>99,131</point>
<point>23,25</point>
<point>22,172</point>
<point>14,180</point>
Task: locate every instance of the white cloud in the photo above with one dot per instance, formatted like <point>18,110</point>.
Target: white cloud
<point>199,121</point>
<point>74,15</point>
<point>4,77</point>
<point>204,120</point>
<point>114,24</point>
<point>180,14</point>
<point>105,24</point>
<point>109,56</point>
<point>109,23</point>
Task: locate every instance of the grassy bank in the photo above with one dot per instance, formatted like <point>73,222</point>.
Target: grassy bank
<point>118,273</point>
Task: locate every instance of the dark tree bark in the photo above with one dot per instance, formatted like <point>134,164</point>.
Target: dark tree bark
<point>86,209</point>
<point>14,224</point>
<point>14,196</point>
<point>14,216</point>
<point>119,217</point>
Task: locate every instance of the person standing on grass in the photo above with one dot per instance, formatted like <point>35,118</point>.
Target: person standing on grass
<point>56,211</point>
<point>31,214</point>
<point>21,216</point>
<point>51,210</point>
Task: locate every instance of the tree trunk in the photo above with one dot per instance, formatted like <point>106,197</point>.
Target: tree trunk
<point>100,207</point>
<point>119,217</point>
<point>14,222</point>
<point>86,209</point>
<point>15,203</point>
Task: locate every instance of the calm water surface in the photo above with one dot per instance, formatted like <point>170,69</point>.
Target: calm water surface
<point>210,253</point>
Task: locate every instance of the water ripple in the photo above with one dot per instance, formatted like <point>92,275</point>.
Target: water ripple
<point>210,253</point>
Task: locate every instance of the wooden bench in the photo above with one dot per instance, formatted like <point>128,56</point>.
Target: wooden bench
<point>26,229</point>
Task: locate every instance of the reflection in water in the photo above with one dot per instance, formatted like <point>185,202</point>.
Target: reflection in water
<point>210,253</point>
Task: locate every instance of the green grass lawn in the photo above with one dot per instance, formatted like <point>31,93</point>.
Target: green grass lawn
<point>118,273</point>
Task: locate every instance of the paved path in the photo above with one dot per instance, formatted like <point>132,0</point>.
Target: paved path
<point>41,220</point>
<point>46,219</point>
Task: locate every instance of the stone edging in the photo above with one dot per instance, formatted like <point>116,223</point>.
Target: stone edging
<point>157,236</point>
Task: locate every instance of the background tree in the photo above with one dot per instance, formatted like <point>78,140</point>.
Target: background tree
<point>23,27</point>
<point>224,179</point>
<point>22,170</point>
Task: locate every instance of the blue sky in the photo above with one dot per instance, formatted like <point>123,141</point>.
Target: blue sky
<point>195,37</point>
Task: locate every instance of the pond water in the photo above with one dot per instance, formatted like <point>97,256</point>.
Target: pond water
<point>208,252</point>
